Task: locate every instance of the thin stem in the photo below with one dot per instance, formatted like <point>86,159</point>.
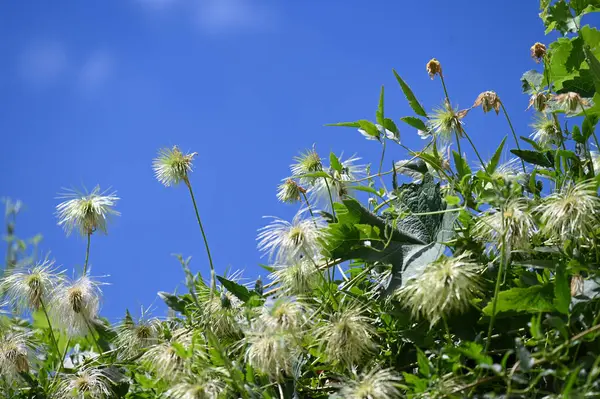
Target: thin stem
<point>87,253</point>
<point>92,333</point>
<point>513,132</point>
<point>497,288</point>
<point>213,282</point>
<point>474,148</point>
<point>448,336</point>
<point>330,197</point>
<point>312,215</point>
<point>52,336</point>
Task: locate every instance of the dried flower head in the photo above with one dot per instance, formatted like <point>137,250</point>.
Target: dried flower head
<point>86,213</point>
<point>75,304</point>
<point>488,100</point>
<point>89,382</point>
<point>347,337</point>
<point>172,166</point>
<point>571,212</point>
<point>205,387</point>
<point>570,102</point>
<point>515,222</point>
<point>434,68</point>
<point>307,162</point>
<point>446,122</point>
<point>272,352</point>
<point>290,242</point>
<point>132,337</point>
<point>14,354</point>
<point>338,185</point>
<point>299,278</point>
<point>545,132</point>
<point>539,101</point>
<point>164,359</point>
<point>291,192</point>
<point>375,384</point>
<point>284,314</point>
<point>445,287</point>
<point>538,51</point>
<point>30,288</point>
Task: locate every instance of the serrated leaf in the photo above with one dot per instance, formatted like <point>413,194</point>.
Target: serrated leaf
<point>537,298</point>
<point>414,122</point>
<point>412,100</point>
<point>370,128</point>
<point>173,301</point>
<point>491,166</point>
<point>241,292</point>
<point>540,158</point>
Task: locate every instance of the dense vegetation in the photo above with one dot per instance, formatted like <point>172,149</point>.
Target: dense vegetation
<point>455,278</point>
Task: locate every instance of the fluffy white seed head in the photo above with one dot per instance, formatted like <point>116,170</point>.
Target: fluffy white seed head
<point>132,337</point>
<point>287,242</point>
<point>290,192</point>
<point>375,384</point>
<point>545,132</point>
<point>28,289</point>
<point>172,166</point>
<point>272,352</point>
<point>307,162</point>
<point>347,337</point>
<point>163,358</point>
<point>14,354</point>
<point>445,287</point>
<point>284,314</point>
<point>86,213</point>
<point>197,388</point>
<point>75,305</point>
<point>339,185</point>
<point>299,278</point>
<point>571,212</point>
<point>446,122</point>
<point>89,382</point>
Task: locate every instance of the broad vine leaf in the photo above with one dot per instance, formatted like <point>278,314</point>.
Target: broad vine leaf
<point>531,81</point>
<point>537,298</point>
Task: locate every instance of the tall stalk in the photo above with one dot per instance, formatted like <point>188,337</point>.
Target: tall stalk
<point>498,283</point>
<point>512,129</point>
<point>213,282</point>
<point>87,253</point>
<point>52,336</point>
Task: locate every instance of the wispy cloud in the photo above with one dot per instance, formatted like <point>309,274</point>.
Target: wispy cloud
<point>220,16</point>
<point>42,63</point>
<point>96,70</point>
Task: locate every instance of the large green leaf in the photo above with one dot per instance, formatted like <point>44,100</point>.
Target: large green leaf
<point>540,158</point>
<point>414,122</point>
<point>531,81</point>
<point>538,298</point>
<point>491,166</point>
<point>412,100</point>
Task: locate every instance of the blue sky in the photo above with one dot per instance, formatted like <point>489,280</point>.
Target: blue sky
<point>91,90</point>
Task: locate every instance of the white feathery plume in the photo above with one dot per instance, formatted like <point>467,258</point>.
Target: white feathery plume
<point>75,305</point>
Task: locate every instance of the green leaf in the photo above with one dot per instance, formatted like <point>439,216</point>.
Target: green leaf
<point>390,125</point>
<point>540,158</point>
<point>345,124</point>
<point>461,165</point>
<point>562,290</point>
<point>491,166</point>
<point>537,298</point>
<point>241,292</point>
<point>589,125</point>
<point>558,16</point>
<point>173,301</point>
<point>532,143</point>
<point>452,200</point>
<point>335,163</point>
<point>474,351</point>
<point>423,362</point>
<point>577,136</point>
<point>380,117</point>
<point>369,128</point>
<point>415,122</point>
<point>525,359</point>
<point>366,189</point>
<point>412,100</point>
<point>531,81</point>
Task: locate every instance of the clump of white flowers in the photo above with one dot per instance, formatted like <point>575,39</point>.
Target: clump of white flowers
<point>172,166</point>
<point>132,336</point>
<point>164,358</point>
<point>298,278</point>
<point>14,353</point>
<point>377,383</point>
<point>86,213</point>
<point>445,287</point>
<point>88,382</point>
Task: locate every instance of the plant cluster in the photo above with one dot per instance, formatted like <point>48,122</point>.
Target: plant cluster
<point>443,277</point>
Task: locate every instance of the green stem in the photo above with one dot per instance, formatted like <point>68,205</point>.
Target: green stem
<point>52,336</point>
<point>474,148</point>
<point>448,336</point>
<point>512,129</point>
<point>497,288</point>
<point>87,253</point>
<point>312,215</point>
<point>213,282</point>
<point>92,333</point>
<point>330,197</point>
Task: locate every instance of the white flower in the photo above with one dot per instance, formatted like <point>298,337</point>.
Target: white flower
<point>338,185</point>
<point>445,287</point>
<point>571,212</point>
<point>446,122</point>
<point>283,314</point>
<point>86,213</point>
<point>172,166</point>
<point>88,382</point>
<point>30,288</point>
<point>163,358</point>
<point>290,192</point>
<point>272,352</point>
<point>347,337</point>
<point>75,305</point>
<point>545,132</point>
<point>307,162</point>
<point>290,242</point>
<point>375,384</point>
<point>14,353</point>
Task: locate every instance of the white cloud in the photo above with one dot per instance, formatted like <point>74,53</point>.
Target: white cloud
<point>42,63</point>
<point>96,70</point>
